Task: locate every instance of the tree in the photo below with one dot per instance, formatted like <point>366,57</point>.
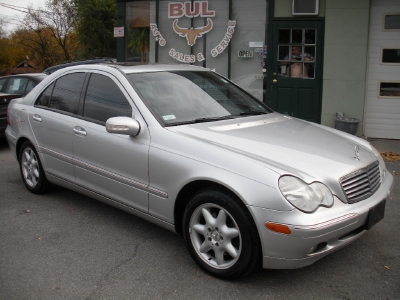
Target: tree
<point>39,46</point>
<point>96,21</point>
<point>58,19</point>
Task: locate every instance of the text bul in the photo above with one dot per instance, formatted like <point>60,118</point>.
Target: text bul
<point>199,8</point>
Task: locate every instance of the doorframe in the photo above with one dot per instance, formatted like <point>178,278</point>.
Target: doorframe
<point>268,83</point>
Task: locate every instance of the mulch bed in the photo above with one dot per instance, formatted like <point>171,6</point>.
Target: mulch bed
<point>390,156</point>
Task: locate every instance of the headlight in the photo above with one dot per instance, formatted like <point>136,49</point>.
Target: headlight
<point>305,197</point>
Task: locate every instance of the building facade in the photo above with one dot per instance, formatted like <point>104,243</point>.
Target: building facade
<point>305,58</point>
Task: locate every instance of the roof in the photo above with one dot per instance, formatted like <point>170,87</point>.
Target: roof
<point>30,75</point>
<point>130,68</point>
<point>79,62</point>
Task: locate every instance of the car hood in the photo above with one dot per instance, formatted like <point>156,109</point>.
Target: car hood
<point>285,145</point>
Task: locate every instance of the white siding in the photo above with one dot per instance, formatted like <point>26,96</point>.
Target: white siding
<point>382,115</point>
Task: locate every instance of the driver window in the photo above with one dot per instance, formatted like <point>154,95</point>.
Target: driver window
<point>105,100</point>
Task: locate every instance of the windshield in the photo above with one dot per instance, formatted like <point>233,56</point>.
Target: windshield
<point>184,97</point>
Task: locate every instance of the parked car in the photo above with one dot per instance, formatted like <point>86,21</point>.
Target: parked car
<point>95,60</point>
<point>15,86</point>
<point>183,147</point>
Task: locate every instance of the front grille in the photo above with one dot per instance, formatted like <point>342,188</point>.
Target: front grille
<point>362,183</point>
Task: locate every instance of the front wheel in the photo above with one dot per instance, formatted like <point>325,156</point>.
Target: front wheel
<point>31,169</point>
<point>220,234</point>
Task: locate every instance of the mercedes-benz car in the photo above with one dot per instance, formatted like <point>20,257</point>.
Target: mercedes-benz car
<point>185,148</point>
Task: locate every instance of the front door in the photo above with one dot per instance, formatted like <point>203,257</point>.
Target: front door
<point>112,165</point>
<point>296,73</point>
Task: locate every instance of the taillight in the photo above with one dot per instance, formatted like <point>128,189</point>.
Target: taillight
<point>8,118</point>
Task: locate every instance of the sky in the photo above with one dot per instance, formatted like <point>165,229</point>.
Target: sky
<point>9,15</point>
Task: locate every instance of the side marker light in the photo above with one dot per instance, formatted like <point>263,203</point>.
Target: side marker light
<point>279,228</point>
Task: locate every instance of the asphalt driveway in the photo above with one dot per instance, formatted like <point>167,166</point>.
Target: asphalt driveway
<point>63,245</point>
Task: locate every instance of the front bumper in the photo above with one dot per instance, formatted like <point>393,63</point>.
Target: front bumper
<point>314,235</point>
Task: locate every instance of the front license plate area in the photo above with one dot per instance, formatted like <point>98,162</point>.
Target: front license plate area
<point>375,214</point>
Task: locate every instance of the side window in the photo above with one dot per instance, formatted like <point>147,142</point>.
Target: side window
<point>31,84</point>
<point>44,98</point>
<point>67,92</point>
<point>2,82</point>
<point>105,100</point>
<point>16,85</point>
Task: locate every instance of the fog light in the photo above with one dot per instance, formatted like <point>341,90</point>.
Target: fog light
<point>278,228</point>
<point>312,249</point>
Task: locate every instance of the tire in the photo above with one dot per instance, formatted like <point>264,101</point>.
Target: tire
<point>220,234</point>
<point>31,170</point>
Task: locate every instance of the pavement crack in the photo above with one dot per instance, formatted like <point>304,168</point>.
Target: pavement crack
<point>96,293</point>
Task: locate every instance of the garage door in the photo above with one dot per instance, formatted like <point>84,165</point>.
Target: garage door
<point>382,110</point>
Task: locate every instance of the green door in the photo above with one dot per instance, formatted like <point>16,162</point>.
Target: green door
<point>296,73</point>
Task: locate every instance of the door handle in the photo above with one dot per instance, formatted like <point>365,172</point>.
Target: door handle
<point>274,81</point>
<point>79,130</point>
<point>37,118</point>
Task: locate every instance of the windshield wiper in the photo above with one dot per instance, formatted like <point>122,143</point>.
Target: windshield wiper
<point>253,113</point>
<point>201,120</point>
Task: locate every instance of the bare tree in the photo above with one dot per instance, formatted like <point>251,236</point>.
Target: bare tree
<point>58,18</point>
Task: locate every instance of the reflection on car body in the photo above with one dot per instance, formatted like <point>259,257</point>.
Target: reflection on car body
<point>183,147</point>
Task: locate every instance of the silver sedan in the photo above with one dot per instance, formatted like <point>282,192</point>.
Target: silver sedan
<point>183,147</point>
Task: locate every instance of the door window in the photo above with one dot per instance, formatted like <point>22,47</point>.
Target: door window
<point>29,86</point>
<point>67,92</point>
<point>16,85</point>
<point>2,82</point>
<point>105,100</point>
<point>44,98</point>
<point>296,53</point>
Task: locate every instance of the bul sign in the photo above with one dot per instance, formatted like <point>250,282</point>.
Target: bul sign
<point>200,8</point>
<point>196,9</point>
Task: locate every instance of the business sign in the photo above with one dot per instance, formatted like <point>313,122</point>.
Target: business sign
<point>119,31</point>
<point>245,53</point>
<point>197,9</point>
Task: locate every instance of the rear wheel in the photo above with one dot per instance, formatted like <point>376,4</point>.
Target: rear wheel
<point>220,234</point>
<point>31,169</point>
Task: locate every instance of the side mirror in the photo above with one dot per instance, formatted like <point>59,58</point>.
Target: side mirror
<point>123,125</point>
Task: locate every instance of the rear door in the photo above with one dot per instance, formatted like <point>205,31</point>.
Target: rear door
<point>52,119</point>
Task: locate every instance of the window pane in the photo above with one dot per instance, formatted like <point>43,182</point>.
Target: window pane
<point>309,70</point>
<point>67,92</point>
<point>392,22</point>
<point>283,53</point>
<point>284,36</point>
<point>297,36</point>
<point>105,100</point>
<point>310,36</point>
<point>296,53</point>
<point>391,56</point>
<point>2,82</point>
<point>44,98</point>
<point>138,31</point>
<point>390,89</point>
<point>31,84</point>
<point>16,86</point>
<point>309,53</point>
<point>297,70</point>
